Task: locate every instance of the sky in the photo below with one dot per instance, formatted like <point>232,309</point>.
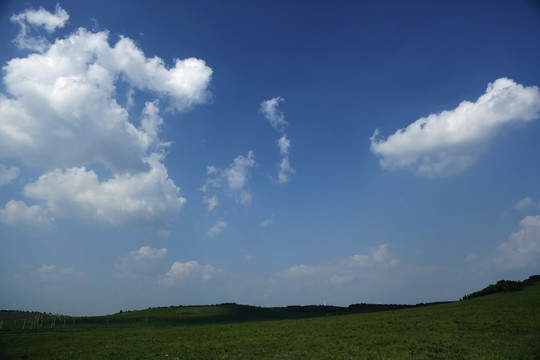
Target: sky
<point>268,153</point>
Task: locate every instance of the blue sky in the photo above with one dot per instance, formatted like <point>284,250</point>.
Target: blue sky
<point>268,153</point>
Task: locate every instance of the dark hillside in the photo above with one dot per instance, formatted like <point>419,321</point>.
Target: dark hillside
<point>503,286</point>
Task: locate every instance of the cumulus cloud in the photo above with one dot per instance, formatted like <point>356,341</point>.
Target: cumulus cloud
<point>30,218</point>
<point>270,110</point>
<point>31,18</point>
<point>188,272</point>
<point>138,262</point>
<point>522,250</point>
<point>233,180</point>
<point>285,169</point>
<point>66,96</point>
<point>8,174</point>
<point>447,143</point>
<point>62,112</point>
<point>147,198</point>
<point>345,270</point>
<point>217,228</point>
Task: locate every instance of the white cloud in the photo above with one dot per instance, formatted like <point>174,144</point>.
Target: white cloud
<point>285,169</point>
<point>148,198</point>
<point>32,218</point>
<point>284,144</point>
<point>191,271</point>
<point>271,112</point>
<point>447,143</point>
<point>345,270</point>
<point>138,262</point>
<point>523,247</point>
<point>526,204</point>
<point>277,120</point>
<point>147,253</point>
<point>7,175</point>
<point>62,112</point>
<point>217,228</point>
<point>211,201</point>
<point>30,18</point>
<point>233,179</point>
<point>268,221</point>
<point>66,96</point>
<point>54,273</point>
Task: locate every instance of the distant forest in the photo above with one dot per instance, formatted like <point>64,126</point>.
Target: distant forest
<point>503,286</point>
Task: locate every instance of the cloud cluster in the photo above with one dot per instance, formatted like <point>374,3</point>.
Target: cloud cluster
<point>447,143</point>
<point>62,113</point>
<point>276,118</point>
<point>232,180</point>
<point>191,271</point>
<point>523,247</point>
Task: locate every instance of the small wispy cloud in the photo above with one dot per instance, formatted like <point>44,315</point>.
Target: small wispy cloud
<point>8,174</point>
<point>217,228</point>
<point>285,169</point>
<point>526,204</point>
<point>268,221</point>
<point>233,180</point>
<point>270,110</point>
<point>211,201</point>
<point>277,120</point>
<point>31,18</point>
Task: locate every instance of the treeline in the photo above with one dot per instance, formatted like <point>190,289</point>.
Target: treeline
<point>503,286</point>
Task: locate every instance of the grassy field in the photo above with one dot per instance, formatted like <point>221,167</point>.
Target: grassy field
<point>498,326</point>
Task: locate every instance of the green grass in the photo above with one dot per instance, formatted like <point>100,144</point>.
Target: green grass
<point>499,326</point>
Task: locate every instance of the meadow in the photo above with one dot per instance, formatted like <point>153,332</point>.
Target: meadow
<point>498,326</point>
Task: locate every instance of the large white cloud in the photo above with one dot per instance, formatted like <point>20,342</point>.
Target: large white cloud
<point>190,271</point>
<point>62,111</point>
<point>145,198</point>
<point>66,97</point>
<point>447,143</point>
<point>30,218</point>
<point>522,250</point>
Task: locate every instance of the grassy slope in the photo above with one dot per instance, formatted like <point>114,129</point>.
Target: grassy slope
<point>499,326</point>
